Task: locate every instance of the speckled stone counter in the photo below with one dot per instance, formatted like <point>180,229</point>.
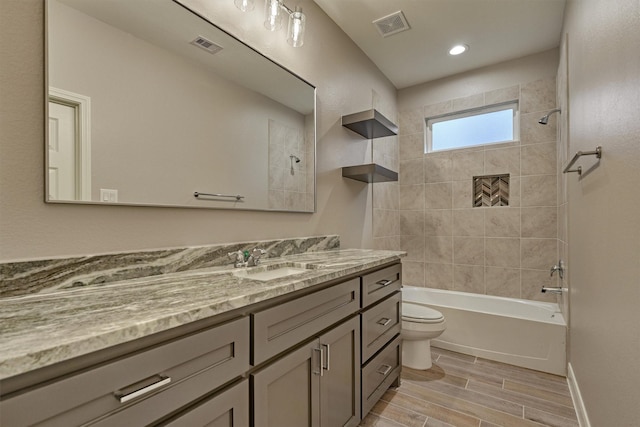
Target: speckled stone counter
<point>38,330</point>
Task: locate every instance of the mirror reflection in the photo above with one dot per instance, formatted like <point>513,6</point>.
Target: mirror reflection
<point>150,103</point>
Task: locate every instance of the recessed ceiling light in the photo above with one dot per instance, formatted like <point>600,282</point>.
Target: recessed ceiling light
<point>458,49</point>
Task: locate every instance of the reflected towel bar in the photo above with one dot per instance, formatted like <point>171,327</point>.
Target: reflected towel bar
<point>237,196</point>
<point>597,152</point>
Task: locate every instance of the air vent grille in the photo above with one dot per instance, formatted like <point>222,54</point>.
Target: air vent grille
<point>207,45</point>
<point>392,24</point>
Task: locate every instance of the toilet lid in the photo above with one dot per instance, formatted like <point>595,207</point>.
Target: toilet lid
<point>420,313</point>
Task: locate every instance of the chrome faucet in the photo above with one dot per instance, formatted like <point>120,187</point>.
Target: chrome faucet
<point>254,258</point>
<point>238,257</point>
<point>551,290</point>
<point>559,268</point>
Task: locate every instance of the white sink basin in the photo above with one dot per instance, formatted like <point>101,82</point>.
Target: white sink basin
<point>263,274</point>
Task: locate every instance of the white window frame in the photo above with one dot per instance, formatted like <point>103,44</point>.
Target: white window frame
<point>510,105</point>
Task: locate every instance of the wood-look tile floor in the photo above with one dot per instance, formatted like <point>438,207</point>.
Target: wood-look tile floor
<point>461,390</point>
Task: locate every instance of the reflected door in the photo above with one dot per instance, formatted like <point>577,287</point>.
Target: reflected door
<point>62,152</point>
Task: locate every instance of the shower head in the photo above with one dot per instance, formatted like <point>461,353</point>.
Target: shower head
<point>296,158</point>
<point>545,119</point>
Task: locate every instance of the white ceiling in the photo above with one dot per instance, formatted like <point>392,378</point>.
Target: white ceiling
<point>495,31</point>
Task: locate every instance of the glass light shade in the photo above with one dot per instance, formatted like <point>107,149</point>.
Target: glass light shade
<point>295,33</point>
<point>245,5</point>
<point>273,14</point>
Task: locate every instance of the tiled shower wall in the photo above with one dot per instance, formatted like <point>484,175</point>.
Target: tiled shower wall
<point>502,250</point>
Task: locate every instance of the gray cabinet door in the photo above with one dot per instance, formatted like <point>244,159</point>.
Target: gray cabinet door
<point>340,380</point>
<point>287,392</point>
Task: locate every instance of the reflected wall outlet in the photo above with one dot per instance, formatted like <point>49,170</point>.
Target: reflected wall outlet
<point>108,196</point>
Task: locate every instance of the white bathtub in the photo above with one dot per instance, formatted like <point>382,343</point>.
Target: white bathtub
<point>524,333</point>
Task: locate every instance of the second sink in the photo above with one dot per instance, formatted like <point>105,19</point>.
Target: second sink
<point>270,272</point>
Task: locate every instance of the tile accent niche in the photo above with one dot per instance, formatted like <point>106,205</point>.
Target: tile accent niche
<point>503,251</point>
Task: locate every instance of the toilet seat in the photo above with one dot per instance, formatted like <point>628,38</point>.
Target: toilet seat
<point>420,314</point>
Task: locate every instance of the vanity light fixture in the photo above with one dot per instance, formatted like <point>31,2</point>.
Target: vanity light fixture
<point>273,12</point>
<point>458,49</point>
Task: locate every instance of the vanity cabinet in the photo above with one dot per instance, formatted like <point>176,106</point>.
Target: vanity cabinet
<point>141,388</point>
<point>316,385</point>
<point>381,319</point>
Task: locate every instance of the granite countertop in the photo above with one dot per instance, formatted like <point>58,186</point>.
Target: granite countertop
<point>42,329</point>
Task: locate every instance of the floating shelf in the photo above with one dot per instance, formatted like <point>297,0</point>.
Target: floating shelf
<point>370,124</point>
<point>369,173</point>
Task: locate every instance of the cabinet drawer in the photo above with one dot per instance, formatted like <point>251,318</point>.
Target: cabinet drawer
<point>229,408</point>
<point>380,284</point>
<point>141,388</point>
<point>278,328</point>
<point>380,324</point>
<point>380,373</point>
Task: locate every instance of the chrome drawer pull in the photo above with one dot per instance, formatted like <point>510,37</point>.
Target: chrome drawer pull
<point>320,371</point>
<point>328,367</point>
<point>387,369</point>
<point>384,321</point>
<point>123,398</point>
<point>384,283</point>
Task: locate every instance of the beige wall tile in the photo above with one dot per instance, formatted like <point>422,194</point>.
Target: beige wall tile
<point>391,243</point>
<point>504,282</point>
<point>410,121</point>
<point>502,252</point>
<point>438,222</point>
<point>439,276</point>
<point>413,273</point>
<point>437,196</point>
<point>538,254</point>
<point>468,250</point>
<point>386,223</point>
<point>466,164</point>
<point>538,190</point>
<point>411,146</point>
<point>468,102</point>
<point>515,191</point>
<point>502,160</point>
<point>468,278</point>
<point>510,93</point>
<point>437,109</point>
<point>502,221</point>
<point>539,159</point>
<point>462,194</point>
<point>540,222</point>
<point>437,167</point>
<point>414,246</point>
<point>386,195</point>
<point>411,172</point>
<point>532,283</point>
<point>468,222</point>
<point>412,197</point>
<point>438,249</point>
<point>539,95</point>
<point>532,132</point>
<point>412,223</point>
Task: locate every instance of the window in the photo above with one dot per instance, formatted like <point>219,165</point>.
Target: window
<point>487,125</point>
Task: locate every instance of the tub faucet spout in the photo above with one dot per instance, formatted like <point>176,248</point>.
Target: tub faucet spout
<point>551,290</point>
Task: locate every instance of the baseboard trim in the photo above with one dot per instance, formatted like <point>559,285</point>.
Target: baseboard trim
<point>581,411</point>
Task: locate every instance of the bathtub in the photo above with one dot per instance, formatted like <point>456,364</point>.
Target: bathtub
<point>520,332</point>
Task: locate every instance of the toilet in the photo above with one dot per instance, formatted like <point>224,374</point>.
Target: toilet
<point>420,324</point>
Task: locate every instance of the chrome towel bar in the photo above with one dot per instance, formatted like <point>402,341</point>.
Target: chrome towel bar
<point>237,196</point>
<point>597,152</point>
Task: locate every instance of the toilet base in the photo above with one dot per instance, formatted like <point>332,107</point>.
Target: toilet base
<point>416,354</point>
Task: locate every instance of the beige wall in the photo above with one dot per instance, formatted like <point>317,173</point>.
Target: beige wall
<point>504,251</point>
<point>29,228</point>
<point>604,207</point>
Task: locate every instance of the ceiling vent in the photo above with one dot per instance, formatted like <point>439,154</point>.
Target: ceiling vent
<point>207,45</point>
<point>392,24</point>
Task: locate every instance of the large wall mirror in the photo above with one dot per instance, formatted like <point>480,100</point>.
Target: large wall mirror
<point>149,104</point>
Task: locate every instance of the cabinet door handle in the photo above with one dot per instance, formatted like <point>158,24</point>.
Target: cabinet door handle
<point>384,321</point>
<point>384,283</point>
<point>328,367</point>
<point>319,371</point>
<point>384,369</point>
<point>124,397</point>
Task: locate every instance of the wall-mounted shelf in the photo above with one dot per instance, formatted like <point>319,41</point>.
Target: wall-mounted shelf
<point>370,124</point>
<point>369,173</point>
